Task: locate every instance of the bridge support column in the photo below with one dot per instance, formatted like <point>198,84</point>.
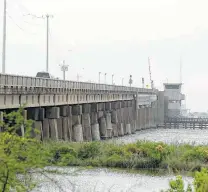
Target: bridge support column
<point>147,117</point>
<point>127,124</point>
<point>151,117</point>
<point>138,128</point>
<point>102,121</point>
<point>95,130</point>
<point>108,120</point>
<point>134,114</point>
<point>142,117</point>
<point>66,122</point>
<point>86,123</point>
<point>37,115</point>
<point>52,114</point>
<point>120,113</point>
<point>76,123</point>
<point>95,127</point>
<point>114,118</point>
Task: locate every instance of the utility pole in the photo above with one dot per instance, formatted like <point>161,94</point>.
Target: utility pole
<point>142,82</point>
<point>64,68</point>
<point>130,80</point>
<point>4,39</point>
<point>105,77</point>
<point>112,79</point>
<point>180,69</point>
<point>150,74</point>
<point>47,40</point>
<point>99,77</point>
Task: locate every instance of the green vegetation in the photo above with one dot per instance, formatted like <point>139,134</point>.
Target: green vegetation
<point>139,155</point>
<point>21,156</point>
<point>18,155</point>
<point>200,183</point>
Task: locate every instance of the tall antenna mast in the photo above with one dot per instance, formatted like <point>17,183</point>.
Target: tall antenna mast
<point>180,69</point>
<point>150,74</point>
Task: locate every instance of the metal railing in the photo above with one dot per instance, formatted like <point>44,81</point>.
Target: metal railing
<point>30,82</point>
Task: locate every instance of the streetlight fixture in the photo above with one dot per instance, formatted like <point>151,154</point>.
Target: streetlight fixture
<point>130,80</point>
<point>99,77</point>
<point>112,78</point>
<point>64,68</point>
<point>105,77</point>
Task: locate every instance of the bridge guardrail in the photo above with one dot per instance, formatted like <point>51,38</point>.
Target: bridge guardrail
<point>26,81</point>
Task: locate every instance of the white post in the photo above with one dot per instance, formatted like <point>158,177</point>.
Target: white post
<point>4,40</point>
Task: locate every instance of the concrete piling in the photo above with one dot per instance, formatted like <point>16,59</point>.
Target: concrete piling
<point>77,134</point>
<point>95,127</point>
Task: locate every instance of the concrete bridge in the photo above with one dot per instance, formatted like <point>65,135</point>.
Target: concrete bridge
<point>78,111</point>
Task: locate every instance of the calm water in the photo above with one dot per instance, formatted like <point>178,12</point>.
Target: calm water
<point>105,180</point>
<point>191,136</point>
<point>102,180</point>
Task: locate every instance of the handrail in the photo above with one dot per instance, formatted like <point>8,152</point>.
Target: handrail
<point>26,81</point>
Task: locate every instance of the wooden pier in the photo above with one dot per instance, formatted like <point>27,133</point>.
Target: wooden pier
<point>194,123</point>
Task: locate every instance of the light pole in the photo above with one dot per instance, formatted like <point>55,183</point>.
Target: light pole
<point>64,68</point>
<point>4,39</point>
<point>99,77</point>
<point>130,80</point>
<point>47,41</point>
<point>112,79</point>
<point>105,77</point>
<point>122,81</point>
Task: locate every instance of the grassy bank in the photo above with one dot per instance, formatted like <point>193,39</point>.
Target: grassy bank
<point>139,155</point>
<point>21,156</point>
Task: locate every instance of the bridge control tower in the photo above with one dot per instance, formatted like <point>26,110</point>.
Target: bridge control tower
<point>172,91</point>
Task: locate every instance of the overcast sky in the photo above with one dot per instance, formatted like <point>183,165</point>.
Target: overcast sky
<point>113,37</point>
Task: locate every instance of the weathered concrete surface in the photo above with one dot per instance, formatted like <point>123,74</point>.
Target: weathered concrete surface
<point>95,130</point>
<point>65,111</point>
<point>38,125</point>
<point>46,133</point>
<point>77,128</point>
<point>114,120</point>
<point>60,127</point>
<point>36,114</point>
<point>128,129</point>
<point>109,125</point>
<point>53,113</point>
<point>69,128</point>
<point>120,122</point>
<point>86,125</point>
<point>76,109</point>
<point>53,129</point>
<point>103,127</point>
<point>65,131</point>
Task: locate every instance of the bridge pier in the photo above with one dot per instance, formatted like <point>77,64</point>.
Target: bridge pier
<point>120,113</point>
<point>95,130</point>
<point>126,115</point>
<point>86,122</point>
<point>114,118</point>
<point>76,123</point>
<point>108,119</point>
<point>102,121</point>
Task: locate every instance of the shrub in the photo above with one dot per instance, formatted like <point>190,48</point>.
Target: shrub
<point>89,150</point>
